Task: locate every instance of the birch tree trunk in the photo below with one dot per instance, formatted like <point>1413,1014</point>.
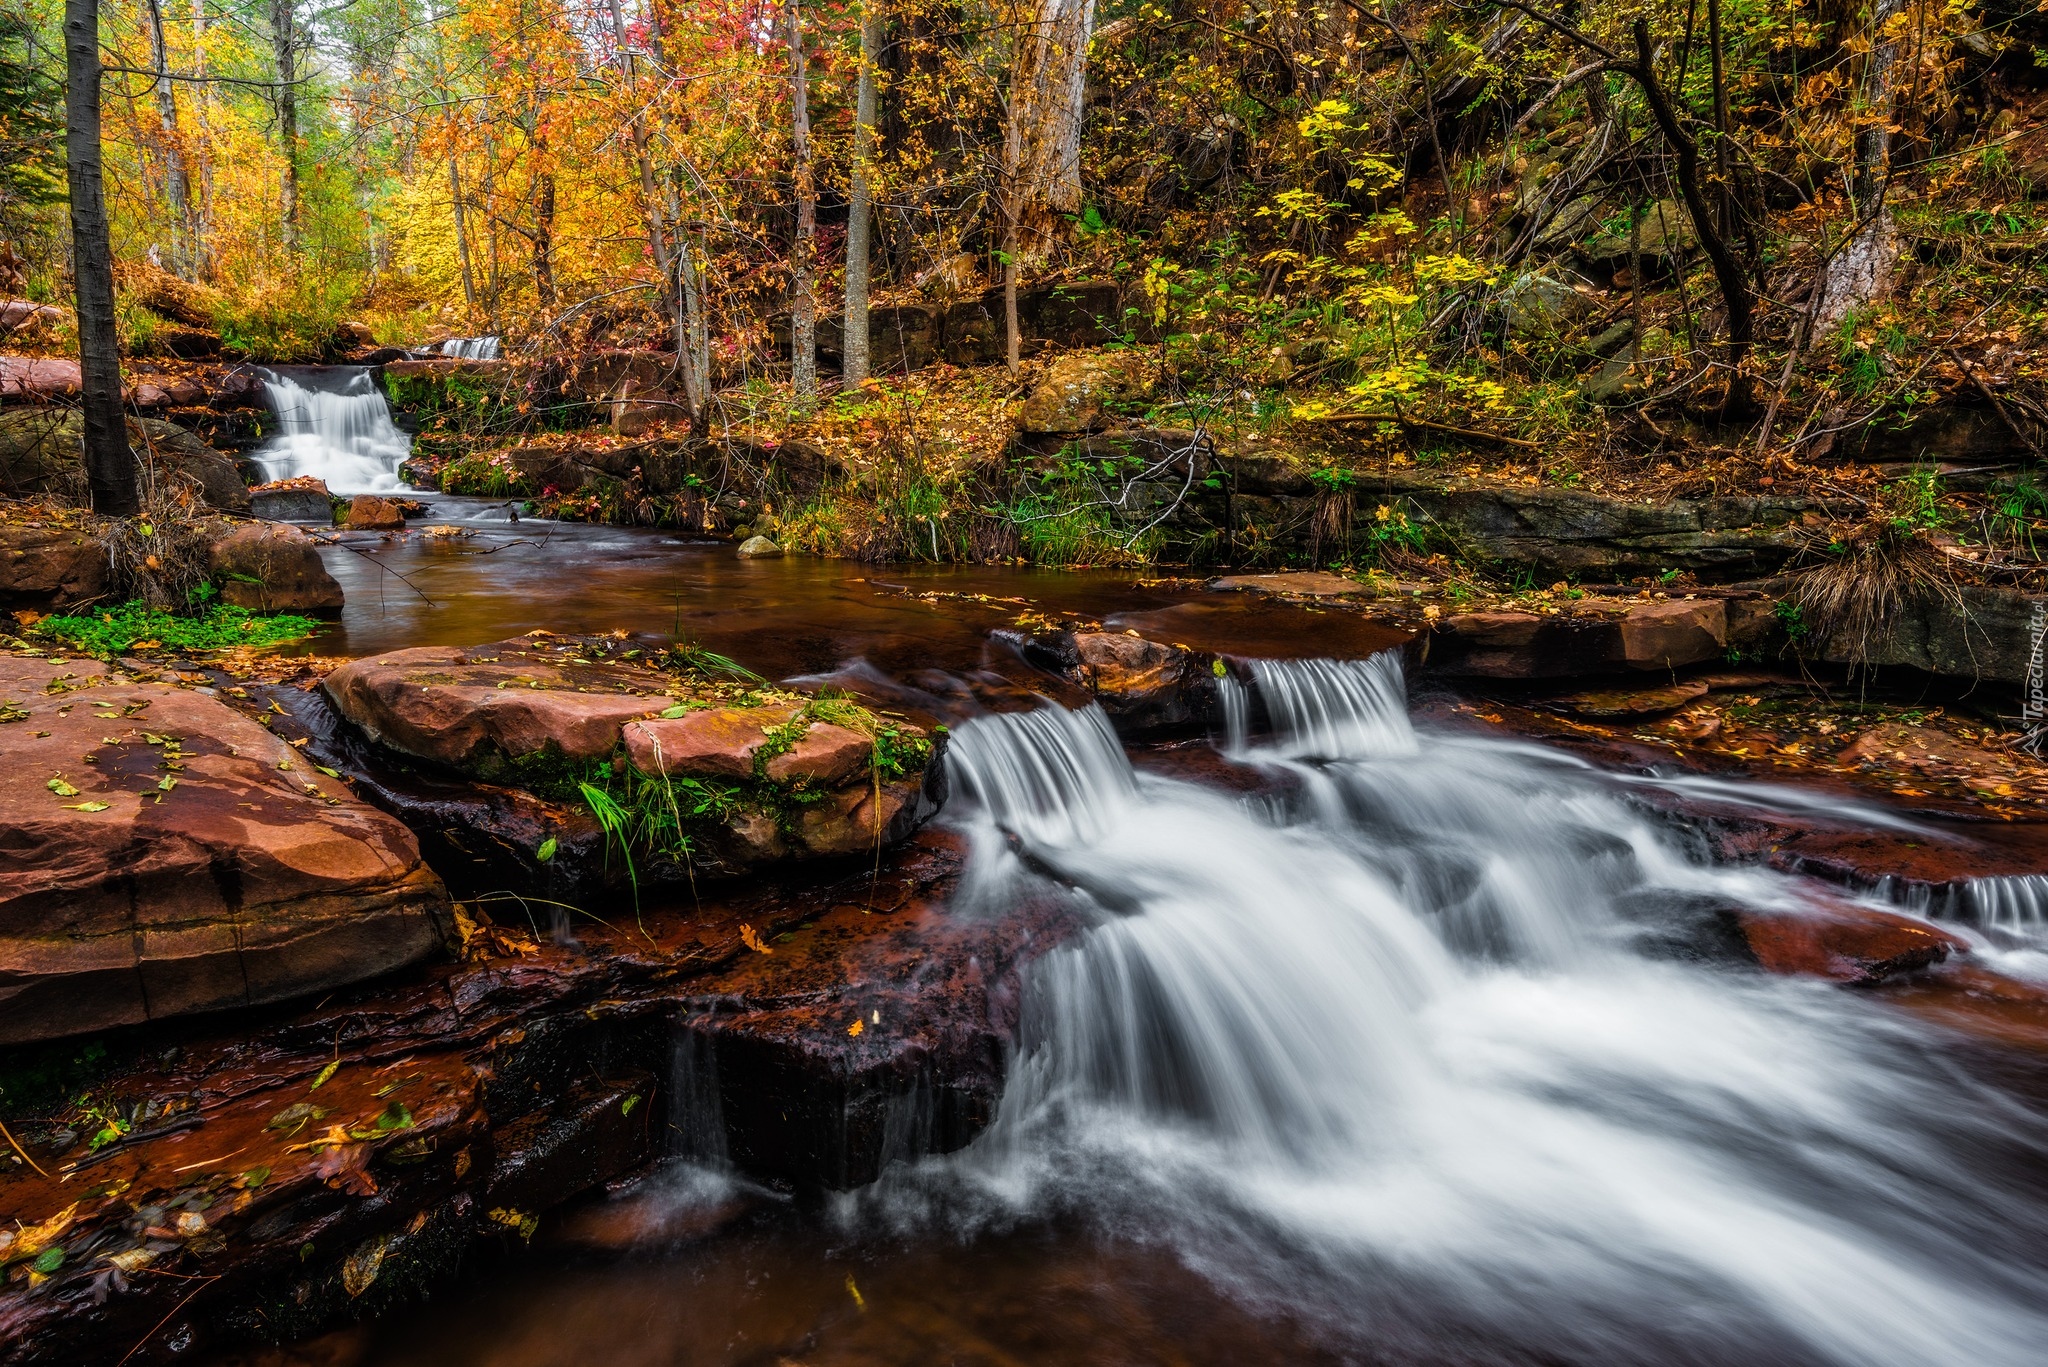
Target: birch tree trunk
<point>109,465</point>
<point>803,320</point>
<point>175,186</point>
<point>284,44</point>
<point>1861,269</point>
<point>858,256</point>
<point>199,198</point>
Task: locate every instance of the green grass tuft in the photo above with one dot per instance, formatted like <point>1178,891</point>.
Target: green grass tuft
<point>113,631</point>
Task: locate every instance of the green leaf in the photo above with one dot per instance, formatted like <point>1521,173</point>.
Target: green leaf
<point>166,783</point>
<point>86,806</point>
<point>49,1260</point>
<point>255,1177</point>
<point>395,1117</point>
<point>1217,666</point>
<point>61,788</point>
<point>547,850</point>
<point>679,710</point>
<point>320,1080</point>
<point>626,1106</point>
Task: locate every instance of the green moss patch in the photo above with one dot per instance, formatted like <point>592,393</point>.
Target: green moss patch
<point>132,626</point>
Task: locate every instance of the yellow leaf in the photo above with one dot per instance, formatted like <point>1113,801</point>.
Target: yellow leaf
<point>752,941</point>
<point>857,1026</point>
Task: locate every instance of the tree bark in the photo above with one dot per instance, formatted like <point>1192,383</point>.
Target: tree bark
<point>199,198</point>
<point>462,241</point>
<point>1861,268</point>
<point>1042,140</point>
<point>284,44</point>
<point>109,464</point>
<point>803,321</point>
<point>855,367</point>
<point>175,189</point>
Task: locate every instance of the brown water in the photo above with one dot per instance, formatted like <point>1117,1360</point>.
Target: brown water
<point>793,617</point>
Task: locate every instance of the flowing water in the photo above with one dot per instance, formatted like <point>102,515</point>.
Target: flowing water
<point>1421,1053</point>
<point>471,348</point>
<point>335,425</point>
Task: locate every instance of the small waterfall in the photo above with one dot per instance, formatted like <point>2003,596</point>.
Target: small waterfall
<point>1235,701</point>
<point>1337,709</point>
<point>471,348</point>
<point>1394,1063</point>
<point>339,431</point>
<point>696,1111</point>
<point>2011,910</point>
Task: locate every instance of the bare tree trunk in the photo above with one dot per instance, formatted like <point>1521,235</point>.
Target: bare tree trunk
<point>462,241</point>
<point>1042,142</point>
<point>284,43</point>
<point>109,465</point>
<point>1861,268</point>
<point>855,367</point>
<point>543,231</point>
<point>680,280</point>
<point>174,158</point>
<point>199,198</point>
<point>803,322</point>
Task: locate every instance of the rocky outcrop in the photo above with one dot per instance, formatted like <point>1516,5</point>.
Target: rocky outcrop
<point>1978,632</point>
<point>273,567</point>
<point>765,776</point>
<point>1591,637</point>
<point>369,513</point>
<point>47,567</point>
<point>1144,685</point>
<point>161,854</point>
<point>42,452</point>
<point>1076,390</point>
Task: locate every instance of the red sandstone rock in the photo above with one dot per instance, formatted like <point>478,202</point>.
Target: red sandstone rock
<point>368,513</point>
<point>1845,942</point>
<point>1305,583</point>
<point>715,742</point>
<point>468,707</point>
<point>24,377</point>
<point>826,755</point>
<point>50,567</point>
<point>1680,631</point>
<point>273,567</point>
<point>132,890</point>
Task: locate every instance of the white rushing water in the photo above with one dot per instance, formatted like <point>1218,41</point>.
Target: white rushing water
<point>471,348</point>
<point>1413,1050</point>
<point>342,434</point>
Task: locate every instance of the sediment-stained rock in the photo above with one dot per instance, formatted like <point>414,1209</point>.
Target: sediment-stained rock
<point>161,854</point>
<point>273,567</point>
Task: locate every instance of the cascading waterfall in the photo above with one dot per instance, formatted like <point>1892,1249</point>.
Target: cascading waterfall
<point>343,435</point>
<point>471,348</point>
<point>1395,1050</point>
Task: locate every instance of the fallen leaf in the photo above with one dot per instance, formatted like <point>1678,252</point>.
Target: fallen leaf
<point>61,788</point>
<point>320,1078</point>
<point>86,806</point>
<point>752,941</point>
<point>362,1266</point>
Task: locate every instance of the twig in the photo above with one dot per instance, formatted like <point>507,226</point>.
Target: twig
<point>166,1319</point>
<point>23,1152</point>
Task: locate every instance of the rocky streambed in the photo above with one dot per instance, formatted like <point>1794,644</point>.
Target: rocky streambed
<point>326,979</point>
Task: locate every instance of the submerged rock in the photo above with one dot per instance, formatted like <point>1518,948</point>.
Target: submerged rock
<point>161,854</point>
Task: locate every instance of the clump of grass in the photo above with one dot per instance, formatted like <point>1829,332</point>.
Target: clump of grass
<point>1870,576</point>
<point>114,631</point>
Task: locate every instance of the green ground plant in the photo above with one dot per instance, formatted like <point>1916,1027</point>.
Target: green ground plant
<point>133,626</point>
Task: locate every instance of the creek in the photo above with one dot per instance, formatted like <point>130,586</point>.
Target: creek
<point>1402,1045</point>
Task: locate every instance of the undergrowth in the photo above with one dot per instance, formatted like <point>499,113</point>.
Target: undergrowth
<point>133,625</point>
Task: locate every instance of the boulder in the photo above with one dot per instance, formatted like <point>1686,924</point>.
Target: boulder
<point>1143,685</point>
<point>17,315</point>
<point>1075,390</point>
<point>717,742</point>
<point>273,567</point>
<point>1980,632</point>
<point>369,513</point>
<point>1663,241</point>
<point>1678,631</point>
<point>759,548</point>
<point>42,451</point>
<point>542,711</point>
<point>26,379</point>
<point>161,854</point>
<point>1540,308</point>
<point>477,709</point>
<point>50,567</point>
<point>298,500</point>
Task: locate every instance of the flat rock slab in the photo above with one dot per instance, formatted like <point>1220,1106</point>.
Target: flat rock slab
<point>1299,583</point>
<point>1633,702</point>
<point>465,707</point>
<point>162,854</point>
